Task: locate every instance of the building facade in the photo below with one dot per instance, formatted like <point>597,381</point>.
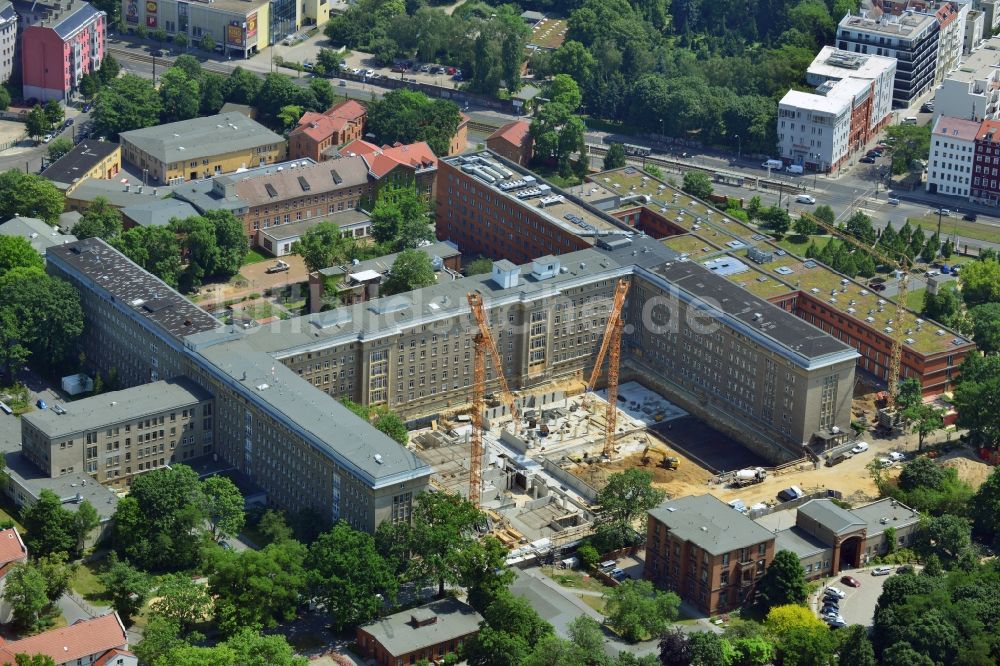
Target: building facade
<point>974,31</point>
<point>117,435</point>
<point>952,153</point>
<point>951,17</point>
<point>201,148</point>
<point>513,142</point>
<point>911,38</point>
<point>316,132</point>
<point>60,42</point>
<point>8,40</point>
<point>238,28</point>
<point>986,169</point>
<point>427,633</point>
<point>972,91</point>
<point>88,159</point>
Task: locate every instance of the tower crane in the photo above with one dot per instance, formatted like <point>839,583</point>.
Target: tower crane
<point>483,344</point>
<point>903,264</point>
<point>612,340</point>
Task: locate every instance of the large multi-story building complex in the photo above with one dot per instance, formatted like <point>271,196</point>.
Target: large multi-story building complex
<point>513,142</point>
<point>117,435</point>
<point>316,132</point>
<point>845,308</point>
<point>713,556</point>
<point>851,103</point>
<point>952,17</point>
<point>201,148</point>
<point>986,168</point>
<point>8,40</point>
<point>60,42</point>
<point>974,31</point>
<point>972,91</point>
<point>952,153</point>
<point>294,440</point>
<point>912,39</point>
<point>237,27</point>
<point>88,159</point>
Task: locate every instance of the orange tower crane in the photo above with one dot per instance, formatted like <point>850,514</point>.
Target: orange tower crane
<point>898,333</point>
<point>484,343</point>
<point>612,340</point>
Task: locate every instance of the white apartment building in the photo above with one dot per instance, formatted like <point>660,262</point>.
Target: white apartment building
<point>974,26</point>
<point>951,17</point>
<point>991,15</point>
<point>8,40</point>
<point>852,101</point>
<point>953,149</point>
<point>973,90</point>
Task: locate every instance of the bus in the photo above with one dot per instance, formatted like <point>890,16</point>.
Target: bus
<point>638,151</point>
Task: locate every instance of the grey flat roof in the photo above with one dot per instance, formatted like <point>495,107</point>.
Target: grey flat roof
<point>133,288</point>
<point>158,212</point>
<point>709,523</point>
<point>37,232</point>
<point>201,137</point>
<point>399,636</point>
<point>443,249</point>
<point>799,542</point>
<point>67,487</point>
<point>756,317</point>
<point>831,516</point>
<point>114,191</point>
<point>896,514</point>
<point>345,218</point>
<point>107,409</point>
<point>85,156</point>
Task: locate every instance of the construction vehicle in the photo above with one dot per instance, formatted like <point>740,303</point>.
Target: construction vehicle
<point>748,477</point>
<point>667,461</point>
<point>483,344</point>
<point>612,340</point>
<point>887,415</point>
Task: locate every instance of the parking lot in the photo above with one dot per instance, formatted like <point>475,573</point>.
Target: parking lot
<point>858,606</point>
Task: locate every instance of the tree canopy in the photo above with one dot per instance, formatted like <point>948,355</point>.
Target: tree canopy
<point>410,270</point>
<point>407,116</point>
<point>124,104</point>
<point>29,195</point>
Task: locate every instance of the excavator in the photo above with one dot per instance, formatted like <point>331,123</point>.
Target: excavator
<point>667,462</point>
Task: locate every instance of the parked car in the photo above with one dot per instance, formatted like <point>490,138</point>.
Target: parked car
<point>867,160</point>
<point>47,138</point>
<point>836,622</point>
<point>886,462</point>
<point>87,107</point>
<point>830,611</point>
<point>860,447</point>
<point>457,77</point>
<point>356,71</point>
<point>790,493</point>
<point>877,287</point>
<point>943,212</point>
<point>279,267</point>
<point>369,73</point>
<point>836,591</point>
<point>893,201</point>
<point>157,53</point>
<point>451,70</point>
<point>927,107</point>
<point>881,571</point>
<point>969,217</point>
<point>425,69</point>
<point>342,83</point>
<point>850,580</point>
<point>398,68</point>
<point>41,404</point>
<point>896,456</point>
<point>906,568</point>
<point>805,198</point>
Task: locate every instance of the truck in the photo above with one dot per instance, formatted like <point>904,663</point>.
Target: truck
<point>748,476</point>
<point>773,164</point>
<point>794,168</point>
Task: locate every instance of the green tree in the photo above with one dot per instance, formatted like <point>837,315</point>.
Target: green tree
<point>860,226</point>
<point>624,501</point>
<point>180,95</point>
<point>160,637</point>
<point>392,425</point>
<point>921,472</point>
<point>190,66</point>
<point>84,521</point>
<point>985,509</point>
<point>482,570</point>
<point>180,40</point>
<point>981,282</point>
<point>910,143</point>
<point>48,526</point>
<point>908,394</point>
<point>54,112</point>
<point>615,157</point>
<point>495,647</point>
<point>28,195</point>
<point>155,523</point>
<point>59,147</point>
<point>289,116</point>
<point>902,654</point>
<point>784,582</point>
<point>924,420</point>
<point>16,252</point>
<point>557,134</point>
<point>411,270</point>
<point>213,93</point>
<point>4,98</point>
<point>323,246</point>
<point>986,327</point>
<point>46,315</point>
<point>323,91</point>
<point>805,227</point>
<point>56,572</point>
<point>442,526</point>
<point>99,220</point>
<point>156,249</point>
<point>825,213</point>
<point>563,90</point>
<point>945,306</point>
<point>33,660</point>
<point>947,536</point>
<point>223,507</point>
<point>109,69</point>
<point>517,617</point>
<point>181,600</point>
<point>24,589</point>
<point>274,527</point>
<point>276,92</point>
<point>127,586</point>
<point>478,266</point>
<point>856,649</point>
<point>207,43</point>
<point>399,218</point>
<point>776,219</point>
<point>407,116</point>
<point>349,576</point>
<point>254,649</point>
<point>638,611</point>
<point>36,123</point>
<point>124,104</point>
<point>256,588</point>
<point>707,649</point>
<point>697,184</point>
<point>674,648</point>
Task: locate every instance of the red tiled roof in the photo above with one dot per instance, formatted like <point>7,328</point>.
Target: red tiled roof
<point>513,133</point>
<point>349,110</point>
<point>989,131</point>
<point>318,126</point>
<point>383,160</point>
<point>11,547</point>
<point>77,641</point>
<point>106,658</point>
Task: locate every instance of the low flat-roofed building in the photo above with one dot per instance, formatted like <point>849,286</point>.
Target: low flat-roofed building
<point>37,232</point>
<point>972,90</point>
<point>427,632</point>
<point>88,159</point>
<point>201,147</point>
<point>711,555</point>
<point>279,240</point>
<point>116,435</point>
<point>119,193</point>
<point>156,212</point>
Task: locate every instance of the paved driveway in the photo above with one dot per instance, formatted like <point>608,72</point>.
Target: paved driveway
<point>858,606</point>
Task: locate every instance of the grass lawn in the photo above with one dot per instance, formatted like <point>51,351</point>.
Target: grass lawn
<point>915,299</point>
<point>956,225</point>
<point>85,583</point>
<point>575,579</point>
<point>254,257</point>
<point>797,244</point>
<point>597,603</point>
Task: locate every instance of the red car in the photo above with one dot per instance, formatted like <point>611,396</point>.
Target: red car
<point>451,70</point>
<point>851,580</point>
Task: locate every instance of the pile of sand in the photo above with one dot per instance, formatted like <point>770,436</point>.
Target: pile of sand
<point>971,471</point>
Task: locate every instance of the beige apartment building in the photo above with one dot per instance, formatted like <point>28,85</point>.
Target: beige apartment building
<point>116,435</point>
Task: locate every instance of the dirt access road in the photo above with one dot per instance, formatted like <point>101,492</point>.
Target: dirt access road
<point>255,280</point>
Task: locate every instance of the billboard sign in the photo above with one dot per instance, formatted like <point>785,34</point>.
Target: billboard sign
<point>234,34</point>
<point>252,25</point>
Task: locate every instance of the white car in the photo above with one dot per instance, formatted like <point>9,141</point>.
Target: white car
<point>355,71</point>
<point>885,462</point>
<point>860,447</point>
<point>835,622</point>
<point>47,138</point>
<point>881,571</point>
<point>836,591</point>
<point>369,72</point>
<point>896,456</point>
<point>806,199</point>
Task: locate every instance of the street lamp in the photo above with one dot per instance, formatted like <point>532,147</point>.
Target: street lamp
<point>739,147</point>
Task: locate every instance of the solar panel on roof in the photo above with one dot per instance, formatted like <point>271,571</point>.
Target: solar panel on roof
<point>336,177</point>
<point>270,189</point>
<point>304,184</point>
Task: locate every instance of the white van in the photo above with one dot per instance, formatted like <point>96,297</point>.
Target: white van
<point>794,168</point>
<point>910,120</point>
<point>773,164</point>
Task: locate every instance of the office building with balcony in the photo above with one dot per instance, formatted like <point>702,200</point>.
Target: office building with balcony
<point>852,102</point>
<point>60,42</point>
<point>972,91</point>
<point>911,38</point>
<point>952,156</point>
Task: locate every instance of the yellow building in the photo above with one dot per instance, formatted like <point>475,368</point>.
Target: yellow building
<point>88,159</point>
<point>316,12</point>
<point>237,27</point>
<point>201,148</point>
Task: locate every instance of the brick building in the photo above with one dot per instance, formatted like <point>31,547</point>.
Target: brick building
<point>512,142</point>
<point>460,139</point>
<point>316,132</point>
<point>60,42</point>
<point>428,632</point>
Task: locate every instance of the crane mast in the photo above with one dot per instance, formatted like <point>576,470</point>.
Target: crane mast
<point>611,341</point>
